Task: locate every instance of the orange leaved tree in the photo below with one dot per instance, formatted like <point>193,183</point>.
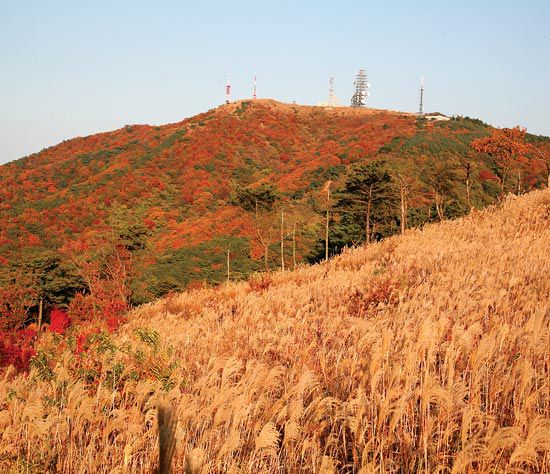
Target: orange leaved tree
<point>505,146</point>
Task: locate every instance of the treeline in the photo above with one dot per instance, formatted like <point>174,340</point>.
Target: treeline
<point>387,196</point>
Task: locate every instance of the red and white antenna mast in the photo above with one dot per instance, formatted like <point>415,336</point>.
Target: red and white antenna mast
<point>228,90</point>
<point>254,90</point>
<point>421,108</point>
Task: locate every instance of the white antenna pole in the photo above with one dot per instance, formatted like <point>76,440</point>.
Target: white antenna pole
<point>228,90</point>
<point>421,108</point>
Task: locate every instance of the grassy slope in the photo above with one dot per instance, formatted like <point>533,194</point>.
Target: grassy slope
<point>423,352</point>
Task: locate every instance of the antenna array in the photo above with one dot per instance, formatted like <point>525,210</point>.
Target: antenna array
<point>331,95</point>
<point>362,90</point>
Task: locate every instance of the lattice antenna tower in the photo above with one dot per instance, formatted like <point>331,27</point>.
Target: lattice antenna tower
<point>362,90</point>
<point>254,89</point>
<point>331,95</point>
<point>421,107</point>
<point>228,89</point>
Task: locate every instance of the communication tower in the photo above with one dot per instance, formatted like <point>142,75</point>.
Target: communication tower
<point>331,95</point>
<point>228,90</point>
<point>421,107</point>
<point>362,90</point>
<point>254,90</point>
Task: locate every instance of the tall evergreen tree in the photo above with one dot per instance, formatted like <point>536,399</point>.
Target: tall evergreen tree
<point>366,210</point>
<point>367,204</point>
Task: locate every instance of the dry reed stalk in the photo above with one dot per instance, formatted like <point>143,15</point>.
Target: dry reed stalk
<point>167,437</point>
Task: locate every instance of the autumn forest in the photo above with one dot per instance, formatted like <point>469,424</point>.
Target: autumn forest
<point>98,224</point>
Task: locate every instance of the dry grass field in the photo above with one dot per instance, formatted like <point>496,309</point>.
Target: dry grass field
<point>423,353</point>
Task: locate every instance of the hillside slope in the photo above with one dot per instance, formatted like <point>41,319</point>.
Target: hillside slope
<point>173,186</point>
<point>422,353</point>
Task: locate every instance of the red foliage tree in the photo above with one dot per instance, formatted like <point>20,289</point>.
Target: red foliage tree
<point>16,299</point>
<point>506,146</point>
<point>104,265</point>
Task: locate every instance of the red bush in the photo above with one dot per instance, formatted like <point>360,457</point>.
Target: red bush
<point>16,349</point>
<point>81,341</point>
<point>59,321</point>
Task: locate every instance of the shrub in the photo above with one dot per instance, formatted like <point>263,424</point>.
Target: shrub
<point>59,321</point>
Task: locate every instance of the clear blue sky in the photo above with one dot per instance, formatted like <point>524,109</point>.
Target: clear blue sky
<point>73,68</point>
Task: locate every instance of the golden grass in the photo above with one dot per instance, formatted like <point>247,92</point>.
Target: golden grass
<point>423,353</point>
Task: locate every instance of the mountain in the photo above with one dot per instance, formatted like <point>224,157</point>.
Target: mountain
<point>426,352</point>
<point>176,195</point>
